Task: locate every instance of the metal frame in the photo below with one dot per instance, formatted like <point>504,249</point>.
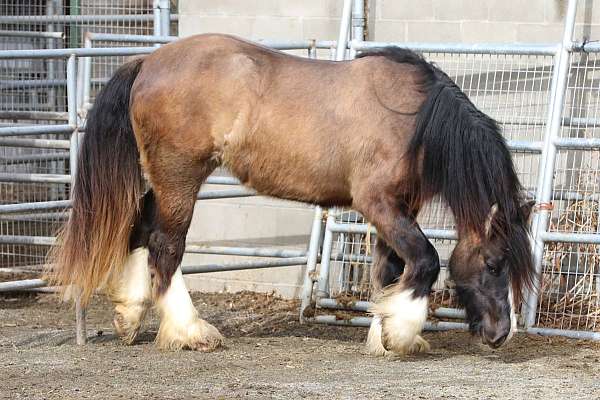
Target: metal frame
<point>350,40</point>
<point>561,52</point>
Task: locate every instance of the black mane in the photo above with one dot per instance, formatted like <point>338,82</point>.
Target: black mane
<point>466,160</point>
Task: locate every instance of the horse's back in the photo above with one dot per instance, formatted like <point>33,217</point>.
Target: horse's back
<point>288,126</point>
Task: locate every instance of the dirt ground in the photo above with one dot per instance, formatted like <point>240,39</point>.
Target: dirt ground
<point>269,354</point>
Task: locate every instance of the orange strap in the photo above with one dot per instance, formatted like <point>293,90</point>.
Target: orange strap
<point>543,207</point>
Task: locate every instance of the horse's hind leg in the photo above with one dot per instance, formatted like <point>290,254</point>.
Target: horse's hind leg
<point>131,295</point>
<point>175,182</point>
<point>131,290</point>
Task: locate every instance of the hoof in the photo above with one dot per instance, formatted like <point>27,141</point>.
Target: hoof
<point>375,344</point>
<point>398,319</point>
<point>128,321</point>
<point>198,336</point>
<point>420,345</point>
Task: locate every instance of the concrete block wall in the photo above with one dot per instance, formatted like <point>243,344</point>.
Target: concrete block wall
<point>262,19</point>
<point>466,21</point>
<point>472,21</point>
<point>268,222</point>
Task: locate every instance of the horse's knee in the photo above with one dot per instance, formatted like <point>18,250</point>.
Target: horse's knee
<point>387,266</point>
<point>423,274</point>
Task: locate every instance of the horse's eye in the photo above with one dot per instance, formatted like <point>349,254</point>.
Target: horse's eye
<point>493,268</point>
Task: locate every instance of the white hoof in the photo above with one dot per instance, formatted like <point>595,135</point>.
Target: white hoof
<point>128,321</point>
<point>397,323</point>
<point>374,346</point>
<point>180,326</point>
<point>198,335</point>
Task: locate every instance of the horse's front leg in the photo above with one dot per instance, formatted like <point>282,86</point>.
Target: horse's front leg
<point>400,304</point>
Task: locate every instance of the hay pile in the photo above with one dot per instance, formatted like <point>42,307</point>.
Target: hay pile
<point>570,289</point>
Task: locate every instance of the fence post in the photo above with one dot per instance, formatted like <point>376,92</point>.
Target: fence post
<point>342,42</point>
<point>340,55</point>
<point>86,79</point>
<point>323,278</point>
<point>547,164</point>
<point>311,263</point>
<point>358,23</point>
<point>156,20</point>
<point>80,329</point>
<point>165,17</point>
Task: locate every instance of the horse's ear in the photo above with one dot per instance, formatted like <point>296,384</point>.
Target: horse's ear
<point>526,208</point>
<point>490,218</point>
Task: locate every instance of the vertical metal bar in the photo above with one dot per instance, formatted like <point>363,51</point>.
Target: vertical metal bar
<point>80,328</point>
<point>165,17</point>
<point>80,82</point>
<point>315,238</point>
<point>323,279</point>
<point>547,163</point>
<point>312,49</point>
<point>74,33</point>
<point>87,74</point>
<point>52,103</point>
<point>340,54</point>
<point>72,90</point>
<point>157,26</point>
<point>358,23</point>
<point>342,42</point>
<point>311,263</point>
<point>50,63</point>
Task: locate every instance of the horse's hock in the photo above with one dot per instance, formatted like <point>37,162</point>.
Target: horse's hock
<point>552,128</point>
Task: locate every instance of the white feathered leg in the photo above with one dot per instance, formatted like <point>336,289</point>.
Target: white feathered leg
<point>180,326</point>
<point>398,320</point>
<point>131,294</point>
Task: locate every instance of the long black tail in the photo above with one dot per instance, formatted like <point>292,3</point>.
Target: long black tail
<point>107,192</point>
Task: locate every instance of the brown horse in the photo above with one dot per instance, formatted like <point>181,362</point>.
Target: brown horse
<point>382,134</point>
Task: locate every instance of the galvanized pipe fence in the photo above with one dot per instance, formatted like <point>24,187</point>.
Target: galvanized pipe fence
<point>273,257</point>
<point>540,82</point>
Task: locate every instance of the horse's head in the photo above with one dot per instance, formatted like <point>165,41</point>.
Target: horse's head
<point>491,270</point>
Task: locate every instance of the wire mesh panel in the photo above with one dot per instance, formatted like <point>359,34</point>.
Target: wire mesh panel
<point>514,90</point>
<point>73,18</point>
<point>33,92</point>
<point>29,96</point>
<point>570,290</point>
<point>352,255</point>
